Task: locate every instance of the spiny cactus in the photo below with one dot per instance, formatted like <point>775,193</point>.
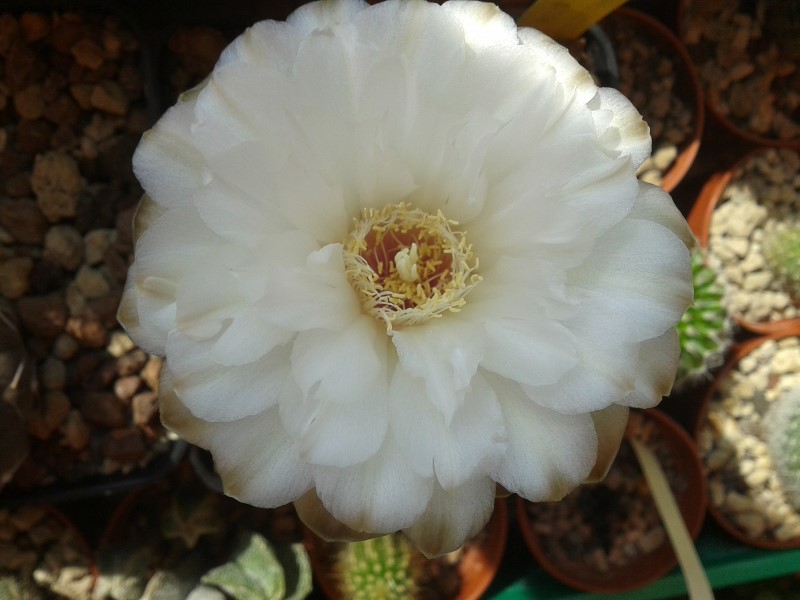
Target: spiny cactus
<point>18,587</point>
<point>704,330</point>
<point>378,569</point>
<point>781,430</point>
<point>782,254</point>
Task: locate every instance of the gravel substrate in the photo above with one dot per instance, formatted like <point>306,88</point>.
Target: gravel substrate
<point>41,557</point>
<point>761,198</point>
<point>747,57</point>
<point>743,486</point>
<point>72,109</point>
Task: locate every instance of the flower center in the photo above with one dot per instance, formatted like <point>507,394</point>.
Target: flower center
<point>407,265</point>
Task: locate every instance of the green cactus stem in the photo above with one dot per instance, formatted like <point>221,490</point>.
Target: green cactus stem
<point>378,569</point>
<point>781,430</point>
<point>705,329</point>
<point>782,255</point>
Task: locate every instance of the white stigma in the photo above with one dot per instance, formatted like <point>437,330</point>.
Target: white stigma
<point>405,261</point>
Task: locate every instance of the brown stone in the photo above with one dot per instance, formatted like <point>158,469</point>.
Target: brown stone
<point>35,26</point>
<point>23,67</point>
<point>89,333</point>
<point>68,29</point>
<point>63,111</point>
<point>109,97</point>
<point>33,137</point>
<point>82,92</point>
<point>144,407</point>
<point>75,431</point>
<point>87,54</point>
<point>48,414</point>
<point>43,316</point>
<point>125,446</point>
<point>131,363</point>
<point>15,276</point>
<point>104,409</point>
<point>23,220</point>
<point>126,387</point>
<point>151,372</point>
<point>57,182</point>
<point>63,245</point>
<point>28,102</point>
<point>19,186</point>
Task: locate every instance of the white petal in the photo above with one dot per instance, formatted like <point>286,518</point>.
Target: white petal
<point>535,350</point>
<point>445,353</point>
<point>258,462</point>
<point>484,23</point>
<point>637,278</point>
<point>167,165</point>
<point>224,393</point>
<point>469,445</point>
<point>321,15</point>
<point>380,495</point>
<point>342,376</point>
<point>610,424</point>
<point>266,42</point>
<point>656,205</point>
<point>246,338</point>
<point>548,453</point>
<point>453,516</point>
<point>627,132</point>
<point>317,295</point>
<point>655,370</point>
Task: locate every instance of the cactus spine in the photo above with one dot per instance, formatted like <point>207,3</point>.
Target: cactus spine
<point>781,429</point>
<point>704,330</point>
<point>782,254</point>
<point>378,569</point>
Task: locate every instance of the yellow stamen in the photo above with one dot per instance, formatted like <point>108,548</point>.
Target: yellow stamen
<point>407,265</point>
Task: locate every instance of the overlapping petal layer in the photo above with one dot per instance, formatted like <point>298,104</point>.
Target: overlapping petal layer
<point>253,182</point>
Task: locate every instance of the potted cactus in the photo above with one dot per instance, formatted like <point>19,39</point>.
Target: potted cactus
<point>747,436</point>
<point>746,218</point>
<point>705,330</point>
<point>391,567</point>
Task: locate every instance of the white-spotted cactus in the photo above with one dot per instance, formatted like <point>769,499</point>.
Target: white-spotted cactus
<point>377,569</point>
<point>705,329</point>
<point>781,429</point>
<point>782,254</point>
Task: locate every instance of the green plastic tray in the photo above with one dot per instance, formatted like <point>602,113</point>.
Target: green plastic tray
<point>726,561</point>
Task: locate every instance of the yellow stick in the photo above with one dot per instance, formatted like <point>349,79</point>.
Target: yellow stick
<point>566,20</point>
<point>697,583</point>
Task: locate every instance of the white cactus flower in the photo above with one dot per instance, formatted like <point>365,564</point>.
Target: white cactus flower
<point>396,255</point>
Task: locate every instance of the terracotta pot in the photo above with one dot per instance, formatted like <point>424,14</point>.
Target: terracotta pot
<point>644,568</point>
<point>477,566</point>
<point>739,352</point>
<point>700,218</point>
<point>687,84</point>
<point>718,114</point>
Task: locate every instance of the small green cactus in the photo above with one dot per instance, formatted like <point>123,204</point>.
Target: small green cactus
<point>705,330</point>
<point>782,254</point>
<point>781,430</point>
<point>378,569</point>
